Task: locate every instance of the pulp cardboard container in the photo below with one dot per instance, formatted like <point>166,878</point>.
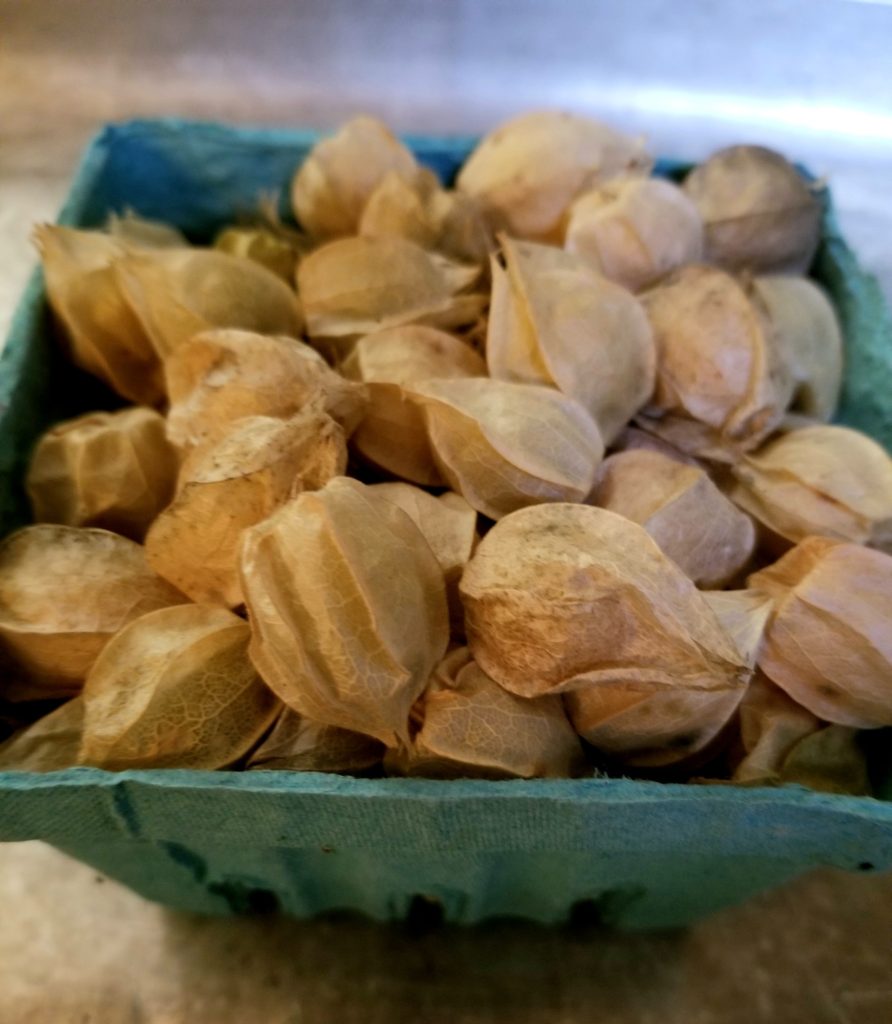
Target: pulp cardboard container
<point>635,854</point>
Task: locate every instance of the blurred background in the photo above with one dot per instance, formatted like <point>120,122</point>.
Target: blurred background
<point>810,77</point>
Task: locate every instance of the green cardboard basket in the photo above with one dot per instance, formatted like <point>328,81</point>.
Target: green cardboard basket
<point>634,854</point>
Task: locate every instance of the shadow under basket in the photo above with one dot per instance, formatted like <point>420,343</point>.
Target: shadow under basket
<point>611,851</point>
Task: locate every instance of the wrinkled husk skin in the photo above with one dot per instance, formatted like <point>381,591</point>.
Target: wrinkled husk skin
<point>64,592</point>
<point>828,644</point>
<point>473,728</point>
<point>347,606</point>
<point>175,689</point>
<point>113,470</point>
<point>50,744</point>
<point>296,744</point>
<point>759,212</point>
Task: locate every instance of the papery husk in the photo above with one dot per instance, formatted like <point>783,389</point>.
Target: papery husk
<point>392,434</point>
<point>348,610</point>
<point>449,525</point>
<point>503,446</point>
<point>297,744</point>
<point>277,252</point>
<point>132,229</point>
<point>722,384</point>
<point>743,615</point>
<point>64,592</point>
<point>47,745</point>
<point>830,760</point>
<point>635,439</point>
<point>554,322</point>
<point>230,484</point>
<point>682,509</point>
<point>577,600</point>
<point>635,230</point>
<point>771,724</point>
<point>418,209</point>
<point>220,376</point>
<point>354,286</point>
<point>530,169</point>
<point>178,293</point>
<point>104,336</point>
<point>760,214</point>
<point>810,339</point>
<point>473,728</point>
<point>828,644</point>
<point>332,186</point>
<point>175,689</point>
<point>822,480</point>
<point>115,470</point>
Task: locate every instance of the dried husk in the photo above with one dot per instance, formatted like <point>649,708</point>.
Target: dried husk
<point>297,744</point>
<point>577,600</point>
<point>830,760</point>
<point>810,339</point>
<point>822,480</point>
<point>759,212</point>
<point>50,744</point>
<point>221,376</point>
<point>530,169</point>
<point>554,322</point>
<point>103,334</point>
<point>682,509</point>
<point>175,689</point>
<point>828,644</point>
<point>503,446</point>
<point>472,727</point>
<point>333,185</point>
<point>354,286</point>
<point>231,484</point>
<point>272,249</point>
<point>449,525</point>
<point>178,293</point>
<point>132,229</point>
<point>635,230</point>
<point>722,384</point>
<point>419,210</point>
<point>392,434</point>
<point>64,592</point>
<point>771,724</point>
<point>347,607</point>
<point>115,470</point>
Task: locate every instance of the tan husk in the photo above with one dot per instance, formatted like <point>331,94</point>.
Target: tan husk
<point>760,214</point>
<point>449,525</point>
<point>297,744</point>
<point>114,470</point>
<point>771,724</point>
<point>530,169</point>
<point>228,485</point>
<point>64,592</point>
<point>392,434</point>
<point>177,293</point>
<point>682,509</point>
<point>347,607</point>
<point>276,251</point>
<point>50,744</point>
<point>828,644</point>
<point>810,340</point>
<point>503,446</point>
<point>635,230</point>
<point>220,376</point>
<point>132,229</point>
<point>104,335</point>
<point>354,286</point>
<point>830,760</point>
<point>419,210</point>
<point>821,480</point>
<point>472,727</point>
<point>552,321</point>
<point>577,600</point>
<point>722,385</point>
<point>332,186</point>
<point>175,689</point>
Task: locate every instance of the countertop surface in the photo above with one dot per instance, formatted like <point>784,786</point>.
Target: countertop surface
<point>813,80</point>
